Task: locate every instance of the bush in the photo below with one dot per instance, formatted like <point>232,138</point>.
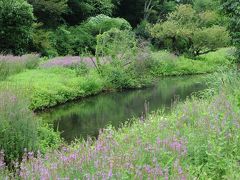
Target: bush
<point>209,39</point>
<point>74,40</point>
<point>118,49</point>
<point>203,5</point>
<point>44,42</point>
<point>15,26</point>
<point>142,30</point>
<point>48,139</point>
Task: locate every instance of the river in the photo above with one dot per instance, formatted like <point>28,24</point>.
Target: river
<point>83,118</point>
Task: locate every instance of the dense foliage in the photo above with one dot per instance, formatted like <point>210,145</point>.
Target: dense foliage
<point>43,9</point>
<point>70,27</point>
<point>75,40</point>
<point>232,8</point>
<point>80,10</point>
<point>186,31</point>
<point>16,19</point>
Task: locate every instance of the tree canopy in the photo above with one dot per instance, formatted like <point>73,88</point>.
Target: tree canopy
<point>187,31</point>
<point>232,8</point>
<point>16,19</point>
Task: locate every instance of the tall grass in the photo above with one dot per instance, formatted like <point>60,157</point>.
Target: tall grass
<point>14,64</point>
<point>21,131</point>
<point>18,126</point>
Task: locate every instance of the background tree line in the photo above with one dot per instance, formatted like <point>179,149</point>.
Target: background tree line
<point>61,27</point>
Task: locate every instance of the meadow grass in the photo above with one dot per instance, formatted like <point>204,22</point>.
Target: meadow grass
<point>49,87</point>
<point>167,64</point>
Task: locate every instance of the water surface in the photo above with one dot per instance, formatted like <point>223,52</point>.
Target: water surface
<point>85,117</point>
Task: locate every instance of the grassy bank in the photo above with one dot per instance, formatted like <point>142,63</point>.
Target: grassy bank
<point>199,139</point>
<point>50,86</point>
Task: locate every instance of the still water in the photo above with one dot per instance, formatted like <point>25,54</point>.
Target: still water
<point>85,118</point>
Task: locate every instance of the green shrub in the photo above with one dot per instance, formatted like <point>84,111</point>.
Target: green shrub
<point>203,5</point>
<point>74,40</point>
<point>119,59</point>
<point>209,18</point>
<point>48,139</point>
<point>118,49</point>
<point>120,45</point>
<point>142,30</point>
<point>81,69</point>
<point>209,39</point>
<point>44,42</point>
<point>15,26</point>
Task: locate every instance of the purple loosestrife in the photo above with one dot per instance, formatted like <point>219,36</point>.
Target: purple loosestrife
<point>10,65</point>
<point>24,62</point>
<point>69,61</point>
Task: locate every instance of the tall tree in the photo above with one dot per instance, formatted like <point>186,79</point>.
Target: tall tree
<point>80,10</point>
<point>151,10</point>
<point>186,31</point>
<point>49,12</point>
<point>232,8</point>
<point>16,19</point>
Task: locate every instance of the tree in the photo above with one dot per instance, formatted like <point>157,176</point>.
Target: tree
<point>232,9</point>
<point>80,10</point>
<point>16,19</point>
<point>49,12</point>
<point>203,5</point>
<point>186,32</point>
<point>135,11</point>
<point>101,23</point>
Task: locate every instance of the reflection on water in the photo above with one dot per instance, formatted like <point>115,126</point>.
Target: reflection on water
<point>86,117</point>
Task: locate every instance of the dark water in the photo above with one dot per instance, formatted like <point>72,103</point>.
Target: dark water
<point>86,117</point>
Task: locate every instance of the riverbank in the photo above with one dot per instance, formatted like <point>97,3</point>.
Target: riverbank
<point>48,87</point>
<point>198,139</point>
